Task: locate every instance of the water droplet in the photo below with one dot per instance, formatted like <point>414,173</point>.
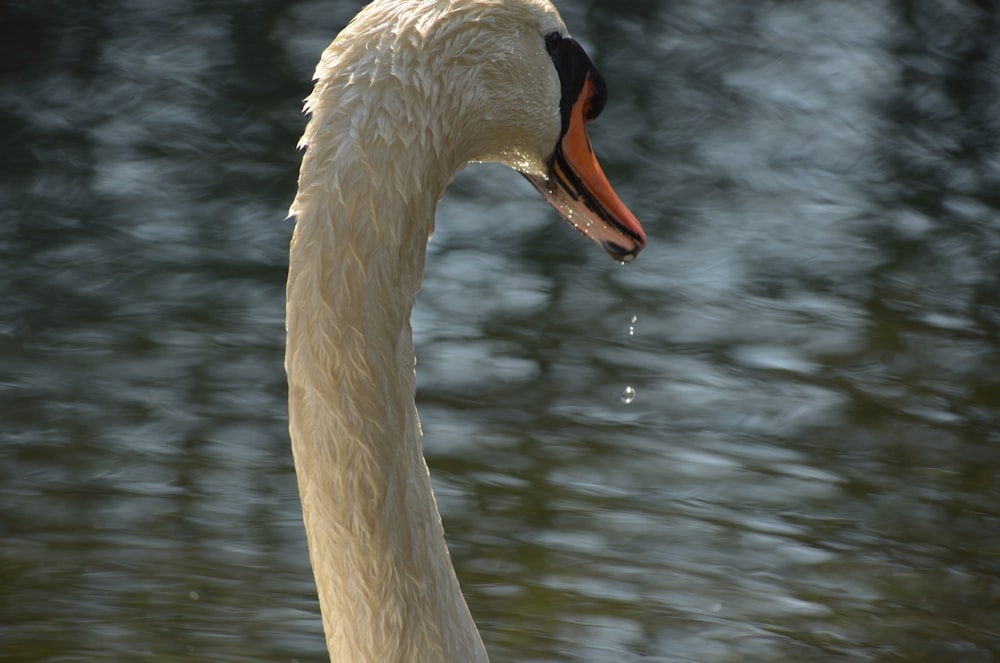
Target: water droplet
<point>628,395</point>
<point>631,327</point>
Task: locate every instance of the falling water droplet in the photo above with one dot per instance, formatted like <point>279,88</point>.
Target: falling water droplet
<point>628,395</point>
<point>631,327</point>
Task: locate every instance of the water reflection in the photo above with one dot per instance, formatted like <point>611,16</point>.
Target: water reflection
<point>809,473</point>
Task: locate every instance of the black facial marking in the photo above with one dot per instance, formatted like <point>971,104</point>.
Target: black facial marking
<point>574,67</point>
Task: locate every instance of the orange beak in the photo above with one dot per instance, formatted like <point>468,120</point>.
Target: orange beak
<point>577,187</point>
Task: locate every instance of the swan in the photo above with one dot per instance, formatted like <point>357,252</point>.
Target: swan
<point>406,95</point>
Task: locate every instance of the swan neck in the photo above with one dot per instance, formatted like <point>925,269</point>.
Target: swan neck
<point>387,588</point>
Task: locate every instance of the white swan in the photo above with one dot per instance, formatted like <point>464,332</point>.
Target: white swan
<point>406,95</point>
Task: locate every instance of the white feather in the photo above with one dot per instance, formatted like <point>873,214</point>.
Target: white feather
<point>408,93</point>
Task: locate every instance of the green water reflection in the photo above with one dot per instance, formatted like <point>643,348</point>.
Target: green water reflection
<point>808,470</point>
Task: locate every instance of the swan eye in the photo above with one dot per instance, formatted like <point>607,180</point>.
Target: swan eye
<point>575,70</point>
<point>552,41</point>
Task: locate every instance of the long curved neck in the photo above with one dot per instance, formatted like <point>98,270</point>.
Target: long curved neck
<point>386,585</point>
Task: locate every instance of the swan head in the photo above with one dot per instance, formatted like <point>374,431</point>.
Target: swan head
<point>485,81</point>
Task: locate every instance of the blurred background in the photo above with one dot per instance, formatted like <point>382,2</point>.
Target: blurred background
<point>805,463</point>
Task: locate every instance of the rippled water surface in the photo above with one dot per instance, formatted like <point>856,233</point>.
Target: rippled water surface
<point>808,466</point>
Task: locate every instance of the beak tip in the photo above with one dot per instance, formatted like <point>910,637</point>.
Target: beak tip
<point>621,253</point>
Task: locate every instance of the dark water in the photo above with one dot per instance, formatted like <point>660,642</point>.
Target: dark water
<point>808,470</point>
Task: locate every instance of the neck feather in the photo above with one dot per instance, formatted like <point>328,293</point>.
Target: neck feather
<point>364,211</point>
